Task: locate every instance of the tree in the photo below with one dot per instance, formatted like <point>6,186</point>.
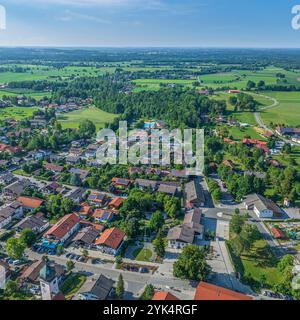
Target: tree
<point>148,292</point>
<point>70,265</point>
<point>87,129</point>
<point>75,180</point>
<point>286,261</point>
<point>15,248</point>
<point>192,264</point>
<point>156,221</point>
<point>120,287</point>
<point>159,245</point>
<point>250,85</point>
<point>236,223</point>
<point>28,237</point>
<point>11,288</point>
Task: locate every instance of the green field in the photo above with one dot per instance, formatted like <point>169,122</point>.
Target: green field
<point>97,116</point>
<point>27,93</point>
<point>72,284</point>
<point>17,113</point>
<point>259,263</point>
<point>241,133</point>
<point>288,110</point>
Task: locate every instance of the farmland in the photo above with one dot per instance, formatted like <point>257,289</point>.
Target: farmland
<point>97,116</point>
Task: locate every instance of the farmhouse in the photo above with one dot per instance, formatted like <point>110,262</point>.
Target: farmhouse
<point>263,208</point>
<point>194,195</point>
<point>180,236</point>
<point>111,241</point>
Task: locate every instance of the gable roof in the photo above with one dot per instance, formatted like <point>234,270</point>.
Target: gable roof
<point>30,202</point>
<point>116,202</point>
<point>261,203</point>
<point>99,288</point>
<point>207,291</point>
<point>87,235</point>
<point>163,295</point>
<point>112,238</point>
<point>63,226</point>
<point>194,192</point>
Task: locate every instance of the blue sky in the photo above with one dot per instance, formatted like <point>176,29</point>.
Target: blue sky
<point>143,23</point>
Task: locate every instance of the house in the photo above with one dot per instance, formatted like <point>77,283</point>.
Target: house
<point>168,189</point>
<point>83,174</point>
<point>194,195</point>
<point>54,168</point>
<point>7,179</point>
<point>85,211</point>
<point>91,150</point>
<point>164,296</point>
<point>72,160</point>
<point>86,236</point>
<point>77,195</point>
<point>31,273</point>
<point>207,291</point>
<point>63,229</point>
<point>96,290</point>
<point>263,208</point>
<point>36,224</point>
<point>116,203</point>
<point>97,198</point>
<point>119,182</point>
<point>144,184</point>
<point>53,188</point>
<point>180,236</point>
<point>5,273</point>
<point>111,241</point>
<point>15,189</point>
<point>191,229</point>
<point>10,212</point>
<point>103,215</point>
<point>30,203</point>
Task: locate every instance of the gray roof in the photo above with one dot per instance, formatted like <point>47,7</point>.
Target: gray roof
<point>99,288</point>
<point>146,183</point>
<point>87,235</point>
<point>7,212</point>
<point>193,220</point>
<point>17,187</point>
<point>261,203</point>
<point>32,223</point>
<point>168,189</point>
<point>194,192</point>
<point>181,233</point>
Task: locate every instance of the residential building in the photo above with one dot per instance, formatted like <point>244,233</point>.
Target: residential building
<point>86,236</point>
<point>194,195</point>
<point>36,224</point>
<point>164,296</point>
<point>111,241</point>
<point>263,208</point>
<point>63,229</point>
<point>29,203</point>
<point>96,290</point>
<point>207,291</point>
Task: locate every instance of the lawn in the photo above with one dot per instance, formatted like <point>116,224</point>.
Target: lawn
<point>97,116</point>
<point>141,254</point>
<point>28,93</point>
<point>17,113</point>
<point>259,263</point>
<point>288,110</point>
<point>72,284</point>
<point>241,133</point>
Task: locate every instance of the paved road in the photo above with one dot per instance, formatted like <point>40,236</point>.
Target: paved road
<point>260,121</point>
<point>134,282</point>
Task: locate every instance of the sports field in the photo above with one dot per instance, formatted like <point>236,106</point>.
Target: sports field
<point>97,116</point>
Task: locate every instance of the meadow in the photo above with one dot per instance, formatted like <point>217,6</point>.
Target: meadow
<point>18,113</point>
<point>97,116</point>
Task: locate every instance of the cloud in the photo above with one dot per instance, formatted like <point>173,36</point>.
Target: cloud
<point>70,16</point>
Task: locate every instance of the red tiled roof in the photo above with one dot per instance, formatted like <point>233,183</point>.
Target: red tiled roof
<point>63,226</point>
<point>30,202</point>
<point>163,295</point>
<point>116,202</point>
<point>112,238</point>
<point>207,291</point>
